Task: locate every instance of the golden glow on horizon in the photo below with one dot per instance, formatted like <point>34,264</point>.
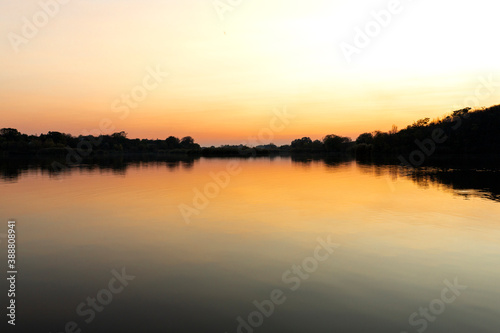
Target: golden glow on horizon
<point>226,77</point>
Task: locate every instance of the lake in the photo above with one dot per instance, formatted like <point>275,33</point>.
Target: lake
<point>255,245</point>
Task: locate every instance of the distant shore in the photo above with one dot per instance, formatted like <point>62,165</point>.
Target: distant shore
<point>464,133</point>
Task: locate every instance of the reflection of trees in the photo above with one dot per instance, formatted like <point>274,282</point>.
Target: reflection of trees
<point>484,184</point>
<point>12,169</point>
<point>329,160</point>
<point>464,182</point>
<point>172,165</point>
<point>188,164</point>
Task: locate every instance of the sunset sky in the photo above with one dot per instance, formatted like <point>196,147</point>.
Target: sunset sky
<point>226,76</point>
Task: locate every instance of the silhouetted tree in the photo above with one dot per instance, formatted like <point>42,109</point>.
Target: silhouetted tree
<point>119,135</point>
<point>10,133</point>
<point>366,138</point>
<point>301,143</point>
<point>420,123</point>
<point>334,142</point>
<point>172,142</point>
<point>187,142</point>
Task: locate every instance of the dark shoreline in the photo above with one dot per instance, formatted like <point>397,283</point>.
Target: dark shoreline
<point>464,135</point>
<point>46,161</point>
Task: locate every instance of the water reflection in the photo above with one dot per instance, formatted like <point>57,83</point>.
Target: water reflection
<point>12,169</point>
<point>401,234</point>
<point>329,161</point>
<point>465,183</point>
<point>459,179</point>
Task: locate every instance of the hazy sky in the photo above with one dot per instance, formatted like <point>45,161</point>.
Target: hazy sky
<point>229,68</point>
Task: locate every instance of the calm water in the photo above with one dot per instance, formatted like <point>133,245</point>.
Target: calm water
<point>400,236</point>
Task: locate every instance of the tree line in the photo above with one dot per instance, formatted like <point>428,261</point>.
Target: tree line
<point>14,142</point>
<point>464,131</point>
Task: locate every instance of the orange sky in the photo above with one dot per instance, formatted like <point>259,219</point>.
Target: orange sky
<point>225,77</point>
